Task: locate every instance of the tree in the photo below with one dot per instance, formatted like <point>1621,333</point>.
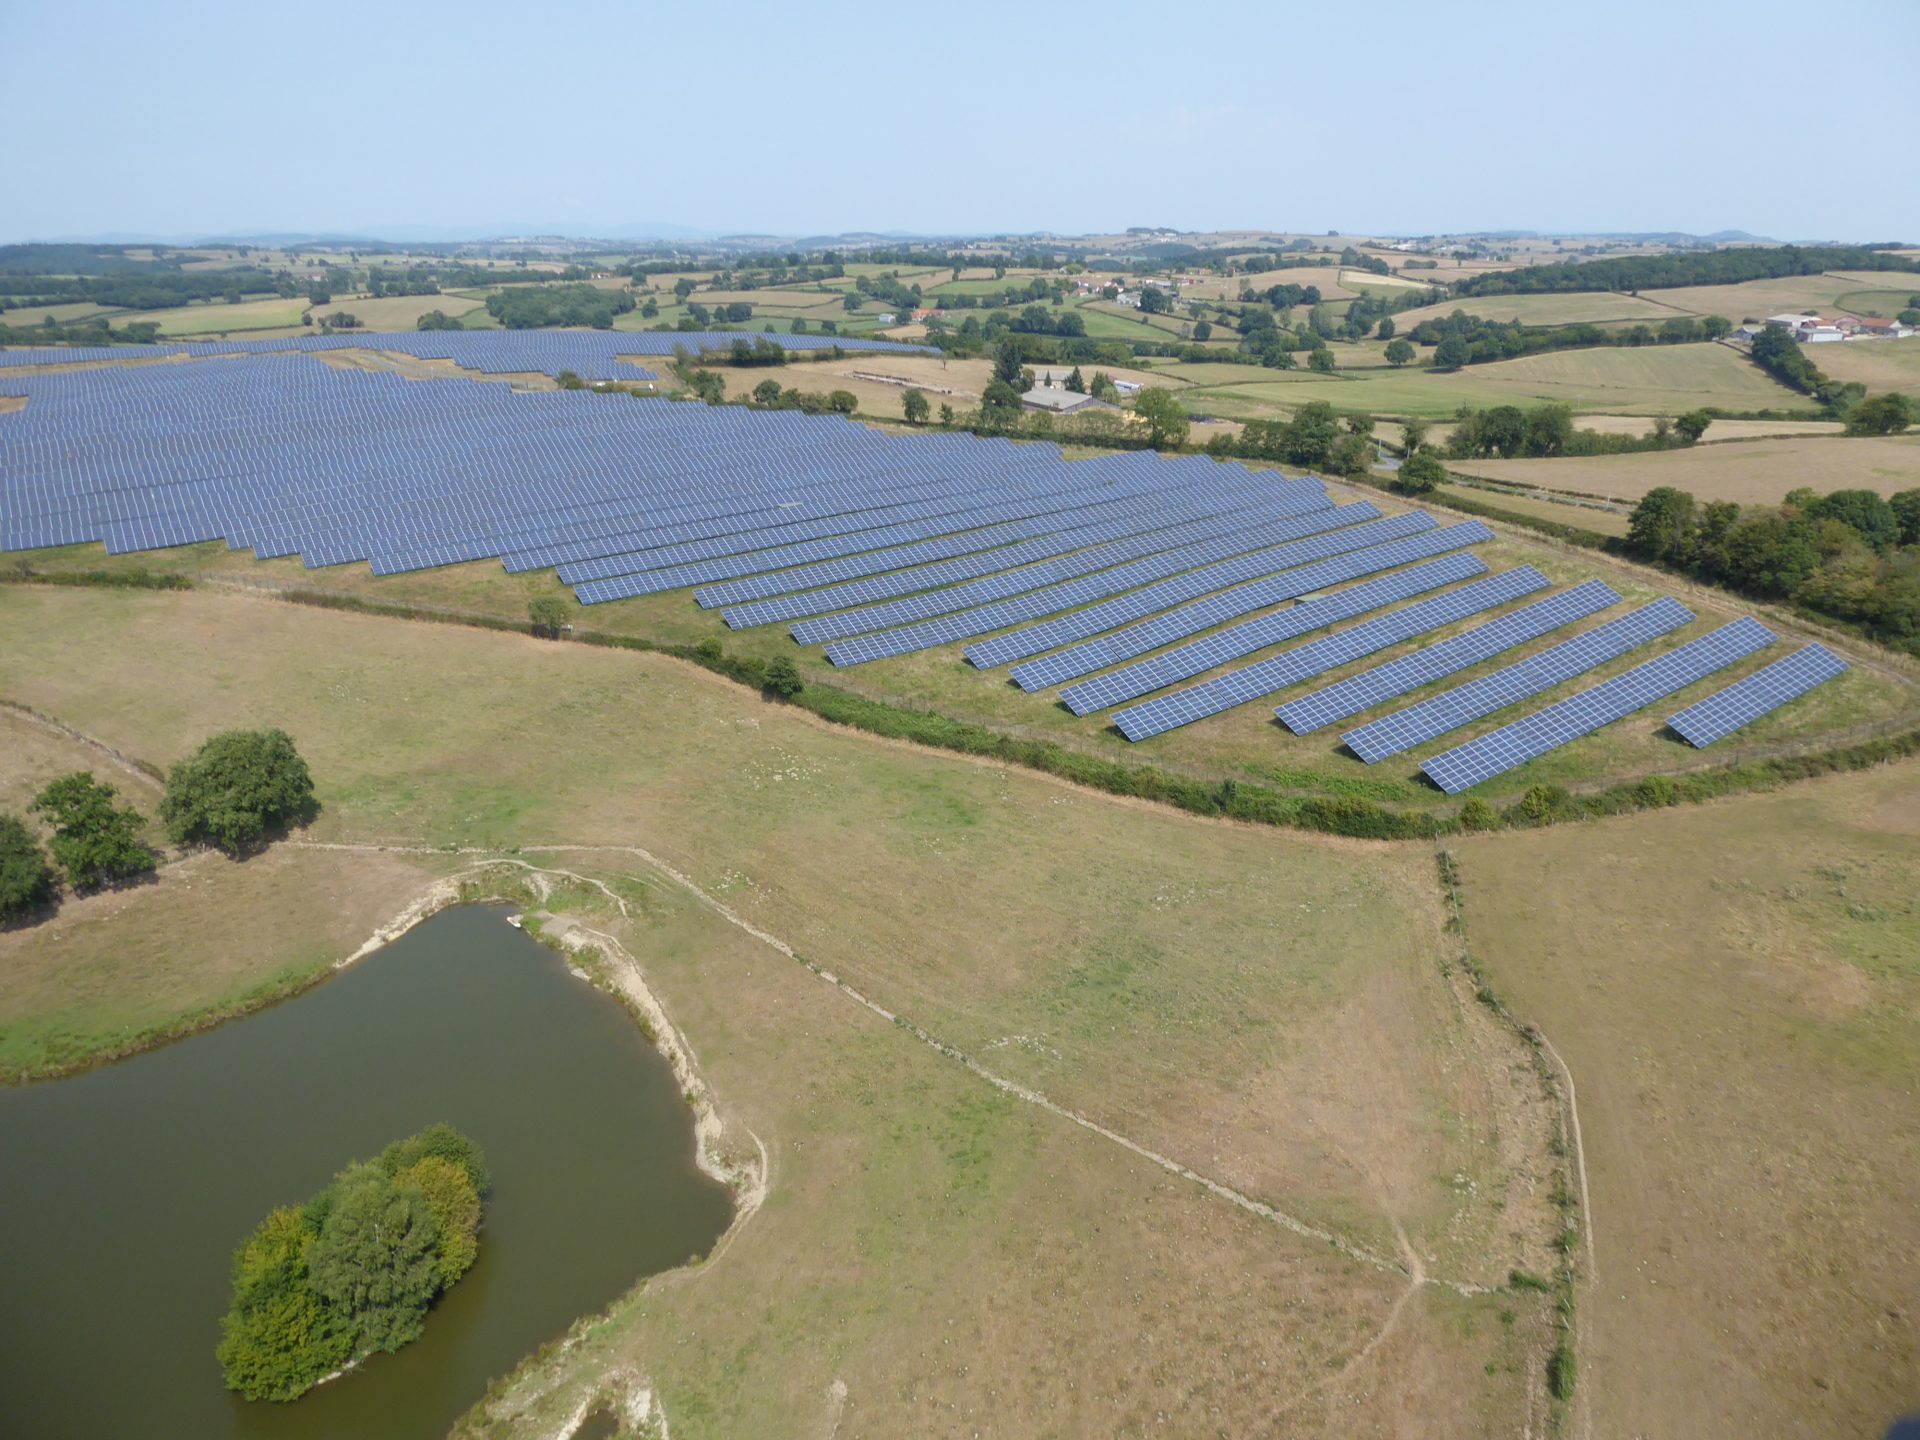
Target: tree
<point>1692,424</point>
<point>1387,328</point>
<point>1167,424</point>
<point>376,1259</point>
<point>1351,455</point>
<point>1906,510</point>
<point>914,404</point>
<point>1863,511</point>
<point>278,1336</point>
<point>767,392</point>
<point>1452,353</point>
<point>1359,424</point>
<point>1320,360</point>
<point>843,402</point>
<point>1662,525</point>
<point>547,617</point>
<point>1076,382</point>
<point>1007,363</point>
<point>1309,437</point>
<point>1882,415</point>
<point>1420,474</point>
<point>94,840</point>
<point>236,788</point>
<point>1103,387</point>
<point>434,320</point>
<point>1203,330</point>
<point>26,880</point>
<point>1413,434</point>
<point>682,288</point>
<point>782,678</point>
<point>1399,352</point>
<point>999,405</point>
<point>455,1203</point>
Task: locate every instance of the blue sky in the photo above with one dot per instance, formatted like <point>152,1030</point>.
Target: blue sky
<point>1698,115</point>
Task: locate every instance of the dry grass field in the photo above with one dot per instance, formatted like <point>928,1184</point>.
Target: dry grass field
<point>1270,1011</point>
<point>1753,472</point>
<point>396,312</point>
<point>1877,364</point>
<point>1568,309</point>
<point>1757,299</point>
<point>269,314</point>
<point>1737,991</point>
<point>1719,430</point>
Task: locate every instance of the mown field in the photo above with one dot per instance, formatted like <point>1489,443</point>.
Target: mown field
<point>1753,472</point>
<point>1737,991</point>
<point>1271,1011</point>
<point>1877,364</point>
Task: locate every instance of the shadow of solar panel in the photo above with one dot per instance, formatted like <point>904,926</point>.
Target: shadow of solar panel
<point>1464,704</point>
<point>1237,687</point>
<point>1761,693</point>
<point>1320,708</point>
<point>1198,656</point>
<point>1498,751</point>
<point>1349,554</point>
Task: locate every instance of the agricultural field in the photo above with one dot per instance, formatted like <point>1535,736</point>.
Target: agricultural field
<point>1575,307</point>
<point>1660,380</point>
<point>1752,472</point>
<point>397,312</point>
<point>273,313</point>
<point>1321,1061</point>
<point>1736,989</point>
<point>1877,364</point>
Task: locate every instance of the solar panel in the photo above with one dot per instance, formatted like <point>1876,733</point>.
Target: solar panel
<point>1498,751</point>
<point>1761,693</point>
<point>1198,656</point>
<point>1464,704</point>
<point>1160,629</point>
<point>1237,687</point>
<point>1320,708</point>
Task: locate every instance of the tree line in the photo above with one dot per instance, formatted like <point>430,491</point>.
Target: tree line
<point>1462,339</point>
<point>1711,267</point>
<point>1506,432</point>
<point>233,793</point>
<point>535,308</point>
<point>1852,554</point>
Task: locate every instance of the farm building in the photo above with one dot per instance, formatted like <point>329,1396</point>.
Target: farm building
<point>1061,402</point>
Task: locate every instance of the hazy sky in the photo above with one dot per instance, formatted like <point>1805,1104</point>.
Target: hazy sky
<point>191,119</point>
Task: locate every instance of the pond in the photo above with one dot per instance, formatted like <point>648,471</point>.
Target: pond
<point>124,1190</point>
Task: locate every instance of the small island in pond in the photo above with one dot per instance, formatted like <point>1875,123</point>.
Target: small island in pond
<point>318,1288</point>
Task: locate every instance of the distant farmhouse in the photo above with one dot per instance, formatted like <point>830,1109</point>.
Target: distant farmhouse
<point>1811,329</point>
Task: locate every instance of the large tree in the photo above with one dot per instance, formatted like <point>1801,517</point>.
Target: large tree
<point>1662,524</point>
<point>26,880</point>
<point>1167,424</point>
<point>376,1261</point>
<point>237,788</point>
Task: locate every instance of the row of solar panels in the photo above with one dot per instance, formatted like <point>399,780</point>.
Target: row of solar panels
<point>591,354</point>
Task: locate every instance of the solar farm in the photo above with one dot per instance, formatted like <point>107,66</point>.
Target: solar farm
<point>1148,593</point>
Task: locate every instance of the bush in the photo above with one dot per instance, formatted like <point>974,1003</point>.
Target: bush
<point>1421,474</point>
<point>236,788</point>
<point>94,840</point>
<point>1560,1371</point>
<point>1476,814</point>
<point>26,880</point>
<point>547,617</point>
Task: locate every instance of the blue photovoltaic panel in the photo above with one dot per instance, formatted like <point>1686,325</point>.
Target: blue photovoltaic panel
<point>1360,692</point>
<point>1169,626</point>
<point>1202,575</point>
<point>1195,658</point>
<point>1498,751</point>
<point>1237,687</point>
<point>875,588</point>
<point>1761,693</point>
<point>1464,704</point>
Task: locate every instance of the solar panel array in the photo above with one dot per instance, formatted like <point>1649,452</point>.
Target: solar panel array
<point>590,354</point>
<point>1237,687</point>
<point>1521,680</point>
<point>1465,766</point>
<point>1321,708</point>
<point>1761,693</point>
<point>1115,577</point>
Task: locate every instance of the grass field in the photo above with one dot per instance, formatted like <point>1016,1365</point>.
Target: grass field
<point>1753,472</point>
<point>1568,309</point>
<point>398,312</point>
<point>1655,380</point>
<point>268,314</point>
<point>1737,991</point>
<point>1267,1010</point>
<point>1877,364</point>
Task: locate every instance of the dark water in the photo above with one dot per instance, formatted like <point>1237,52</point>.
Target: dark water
<point>124,1191</point>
